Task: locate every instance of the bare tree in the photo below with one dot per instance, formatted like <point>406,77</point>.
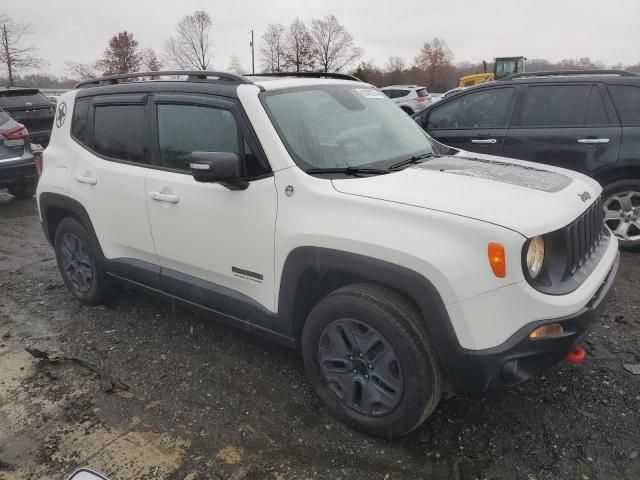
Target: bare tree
<point>395,64</point>
<point>12,54</point>
<point>272,50</point>
<point>121,56</point>
<point>333,45</point>
<point>150,60</point>
<point>190,49</point>
<point>299,51</point>
<point>435,59</point>
<point>81,71</point>
<point>235,66</point>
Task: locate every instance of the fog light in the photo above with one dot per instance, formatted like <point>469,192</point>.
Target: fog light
<point>546,331</point>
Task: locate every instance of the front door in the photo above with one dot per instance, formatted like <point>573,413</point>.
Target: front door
<point>215,245</point>
<point>476,121</point>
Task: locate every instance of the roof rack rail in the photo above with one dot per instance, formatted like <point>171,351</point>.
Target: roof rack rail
<point>191,74</point>
<point>336,75</point>
<point>557,73</point>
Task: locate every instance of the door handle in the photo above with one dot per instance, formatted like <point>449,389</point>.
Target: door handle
<point>484,140</point>
<point>164,197</point>
<point>86,179</point>
<point>593,141</point>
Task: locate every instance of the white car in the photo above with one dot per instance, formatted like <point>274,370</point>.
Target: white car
<point>314,211</point>
<point>410,98</point>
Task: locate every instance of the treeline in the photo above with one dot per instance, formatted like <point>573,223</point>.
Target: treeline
<point>321,45</point>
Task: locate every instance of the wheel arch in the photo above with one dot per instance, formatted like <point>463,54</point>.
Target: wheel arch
<point>613,174</point>
<point>310,273</point>
<point>55,207</point>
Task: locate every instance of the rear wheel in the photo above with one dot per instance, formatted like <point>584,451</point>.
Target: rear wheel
<point>370,361</point>
<point>80,265</point>
<point>23,190</point>
<point>622,211</point>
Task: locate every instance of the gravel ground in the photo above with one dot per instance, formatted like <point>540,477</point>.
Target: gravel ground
<point>210,402</point>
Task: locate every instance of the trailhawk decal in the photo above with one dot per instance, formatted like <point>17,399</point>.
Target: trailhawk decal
<point>247,274</point>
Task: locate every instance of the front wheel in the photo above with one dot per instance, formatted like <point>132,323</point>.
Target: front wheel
<point>369,359</point>
<point>622,211</point>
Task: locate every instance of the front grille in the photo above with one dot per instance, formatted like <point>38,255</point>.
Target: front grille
<point>584,236</point>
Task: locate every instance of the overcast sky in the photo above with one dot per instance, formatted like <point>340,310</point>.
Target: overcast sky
<point>78,30</point>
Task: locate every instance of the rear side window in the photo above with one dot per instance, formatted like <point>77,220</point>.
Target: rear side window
<point>80,121</point>
<point>627,101</point>
<point>396,93</point>
<point>422,92</point>
<point>183,129</point>
<point>120,132</point>
<point>480,109</point>
<point>563,106</point>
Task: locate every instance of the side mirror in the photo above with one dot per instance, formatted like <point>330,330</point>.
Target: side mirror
<point>224,168</point>
<point>86,474</point>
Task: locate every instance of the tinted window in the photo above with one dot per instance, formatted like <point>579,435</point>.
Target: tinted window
<point>19,98</point>
<point>183,129</point>
<point>481,109</point>
<point>562,105</point>
<point>396,93</point>
<point>422,92</point>
<point>120,132</point>
<point>80,120</point>
<point>627,100</point>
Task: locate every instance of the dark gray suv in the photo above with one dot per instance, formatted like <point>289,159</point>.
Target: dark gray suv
<point>587,121</point>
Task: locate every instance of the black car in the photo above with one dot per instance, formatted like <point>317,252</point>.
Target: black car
<point>587,121</point>
<point>17,165</point>
<point>30,108</point>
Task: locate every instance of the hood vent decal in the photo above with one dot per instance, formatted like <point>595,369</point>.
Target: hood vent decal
<point>521,175</point>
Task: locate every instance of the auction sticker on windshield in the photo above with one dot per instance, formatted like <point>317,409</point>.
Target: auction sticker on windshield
<point>370,93</point>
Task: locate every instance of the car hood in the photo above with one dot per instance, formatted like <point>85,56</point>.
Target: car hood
<point>529,198</point>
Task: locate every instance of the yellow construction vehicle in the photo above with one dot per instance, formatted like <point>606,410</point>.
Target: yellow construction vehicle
<point>502,67</point>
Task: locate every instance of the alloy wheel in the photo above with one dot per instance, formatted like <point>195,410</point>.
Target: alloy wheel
<point>360,367</point>
<point>76,264</point>
<point>622,215</point>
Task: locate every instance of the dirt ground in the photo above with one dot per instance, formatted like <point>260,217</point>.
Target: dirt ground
<point>209,402</point>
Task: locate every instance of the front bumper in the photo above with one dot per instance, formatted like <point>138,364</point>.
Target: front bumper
<point>520,358</point>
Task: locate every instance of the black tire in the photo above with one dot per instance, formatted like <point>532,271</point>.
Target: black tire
<point>396,321</point>
<point>23,190</point>
<point>72,240</point>
<point>610,191</point>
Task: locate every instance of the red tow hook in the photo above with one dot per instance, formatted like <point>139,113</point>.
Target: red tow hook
<point>576,355</point>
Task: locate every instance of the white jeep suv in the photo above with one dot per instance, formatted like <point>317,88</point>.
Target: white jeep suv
<point>314,211</point>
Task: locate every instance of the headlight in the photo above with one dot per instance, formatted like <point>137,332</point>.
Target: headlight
<point>535,256</point>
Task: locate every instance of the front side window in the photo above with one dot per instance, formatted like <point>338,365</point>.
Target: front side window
<point>183,129</point>
<point>338,126</point>
<point>627,101</point>
<point>120,132</point>
<point>480,109</point>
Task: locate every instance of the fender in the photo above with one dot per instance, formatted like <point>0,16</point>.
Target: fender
<point>54,207</point>
<point>315,260</point>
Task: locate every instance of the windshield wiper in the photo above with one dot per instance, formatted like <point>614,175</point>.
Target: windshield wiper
<point>409,161</point>
<point>350,170</point>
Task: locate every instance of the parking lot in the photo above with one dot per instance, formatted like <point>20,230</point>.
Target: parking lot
<point>162,391</point>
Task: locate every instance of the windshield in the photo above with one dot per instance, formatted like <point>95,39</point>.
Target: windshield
<point>338,126</point>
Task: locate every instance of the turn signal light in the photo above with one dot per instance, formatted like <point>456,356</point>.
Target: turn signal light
<point>497,260</point>
<point>546,331</point>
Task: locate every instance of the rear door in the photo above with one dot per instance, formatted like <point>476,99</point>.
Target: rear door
<point>108,179</point>
<point>627,103</point>
<point>476,121</point>
<point>566,125</point>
